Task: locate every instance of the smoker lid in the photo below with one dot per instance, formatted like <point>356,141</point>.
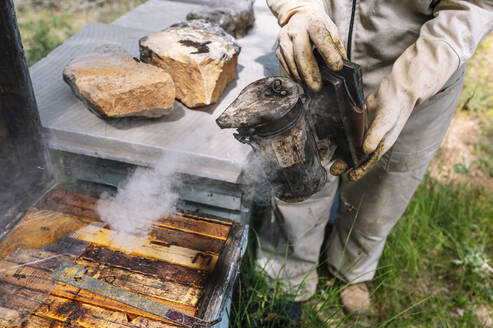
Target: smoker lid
<point>266,100</point>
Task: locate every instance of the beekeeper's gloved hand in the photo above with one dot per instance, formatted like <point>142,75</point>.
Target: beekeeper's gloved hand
<point>304,23</point>
<point>419,73</point>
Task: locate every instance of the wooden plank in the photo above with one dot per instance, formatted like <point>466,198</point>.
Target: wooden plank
<point>141,284</point>
<point>73,311</point>
<point>74,199</point>
<point>156,268</point>
<point>39,280</point>
<point>89,316</point>
<point>27,277</point>
<point>208,227</point>
<point>199,227</point>
<point>20,298</point>
<point>9,317</point>
<point>88,202</point>
<point>38,258</point>
<point>37,276</point>
<point>81,314</point>
<point>34,321</point>
<point>69,209</point>
<point>204,218</point>
<point>49,261</point>
<point>149,323</point>
<point>159,235</point>
<point>143,247</point>
<point>163,236</point>
<point>83,296</point>
<point>40,228</point>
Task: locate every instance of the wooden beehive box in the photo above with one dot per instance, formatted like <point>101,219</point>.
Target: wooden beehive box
<point>187,263</point>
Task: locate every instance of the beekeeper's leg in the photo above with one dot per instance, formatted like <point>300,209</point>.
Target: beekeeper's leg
<point>290,241</point>
<point>370,207</point>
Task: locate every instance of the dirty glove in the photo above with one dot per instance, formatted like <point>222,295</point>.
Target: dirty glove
<point>444,44</point>
<point>305,23</point>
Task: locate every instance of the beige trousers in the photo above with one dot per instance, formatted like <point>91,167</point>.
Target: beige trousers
<point>291,239</point>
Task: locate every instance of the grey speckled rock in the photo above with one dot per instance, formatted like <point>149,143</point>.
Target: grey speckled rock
<point>235,16</point>
<point>199,55</point>
<point>113,84</point>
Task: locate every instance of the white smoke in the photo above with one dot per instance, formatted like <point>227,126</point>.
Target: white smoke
<point>143,198</point>
<point>147,195</point>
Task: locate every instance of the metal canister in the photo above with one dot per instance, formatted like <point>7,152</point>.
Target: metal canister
<point>269,115</point>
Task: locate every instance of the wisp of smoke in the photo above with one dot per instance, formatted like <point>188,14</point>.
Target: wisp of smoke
<point>142,199</point>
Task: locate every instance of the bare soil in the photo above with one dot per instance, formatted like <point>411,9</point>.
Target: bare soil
<point>456,159</point>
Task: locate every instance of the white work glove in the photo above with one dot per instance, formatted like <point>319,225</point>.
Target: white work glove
<point>419,73</point>
<point>305,24</point>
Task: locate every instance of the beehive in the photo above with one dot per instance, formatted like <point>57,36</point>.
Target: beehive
<point>175,265</point>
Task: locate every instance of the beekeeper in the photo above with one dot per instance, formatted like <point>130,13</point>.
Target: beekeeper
<point>413,55</point>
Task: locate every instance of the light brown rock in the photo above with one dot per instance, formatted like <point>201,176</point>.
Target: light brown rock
<point>113,84</point>
<point>200,56</point>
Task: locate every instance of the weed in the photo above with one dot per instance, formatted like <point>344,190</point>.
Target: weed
<point>460,168</point>
<point>474,260</point>
<point>440,224</point>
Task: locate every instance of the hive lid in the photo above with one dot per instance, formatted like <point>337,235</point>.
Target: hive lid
<point>25,167</point>
<point>261,103</point>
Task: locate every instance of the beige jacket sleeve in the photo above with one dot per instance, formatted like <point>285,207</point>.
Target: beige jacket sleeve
<point>460,24</point>
<point>445,43</point>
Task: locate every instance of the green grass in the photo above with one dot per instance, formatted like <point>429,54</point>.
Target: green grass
<point>44,25</point>
<point>428,256</point>
<point>478,83</point>
<point>47,34</point>
<point>433,271</point>
<point>256,302</point>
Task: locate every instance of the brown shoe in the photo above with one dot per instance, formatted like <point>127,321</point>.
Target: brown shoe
<point>356,298</point>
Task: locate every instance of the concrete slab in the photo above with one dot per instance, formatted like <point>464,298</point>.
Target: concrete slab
<point>189,139</point>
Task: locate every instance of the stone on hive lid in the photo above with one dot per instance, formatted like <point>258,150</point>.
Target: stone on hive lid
<point>235,16</point>
<point>200,56</point>
<point>113,84</point>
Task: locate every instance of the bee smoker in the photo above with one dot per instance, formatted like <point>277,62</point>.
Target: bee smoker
<point>270,116</point>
